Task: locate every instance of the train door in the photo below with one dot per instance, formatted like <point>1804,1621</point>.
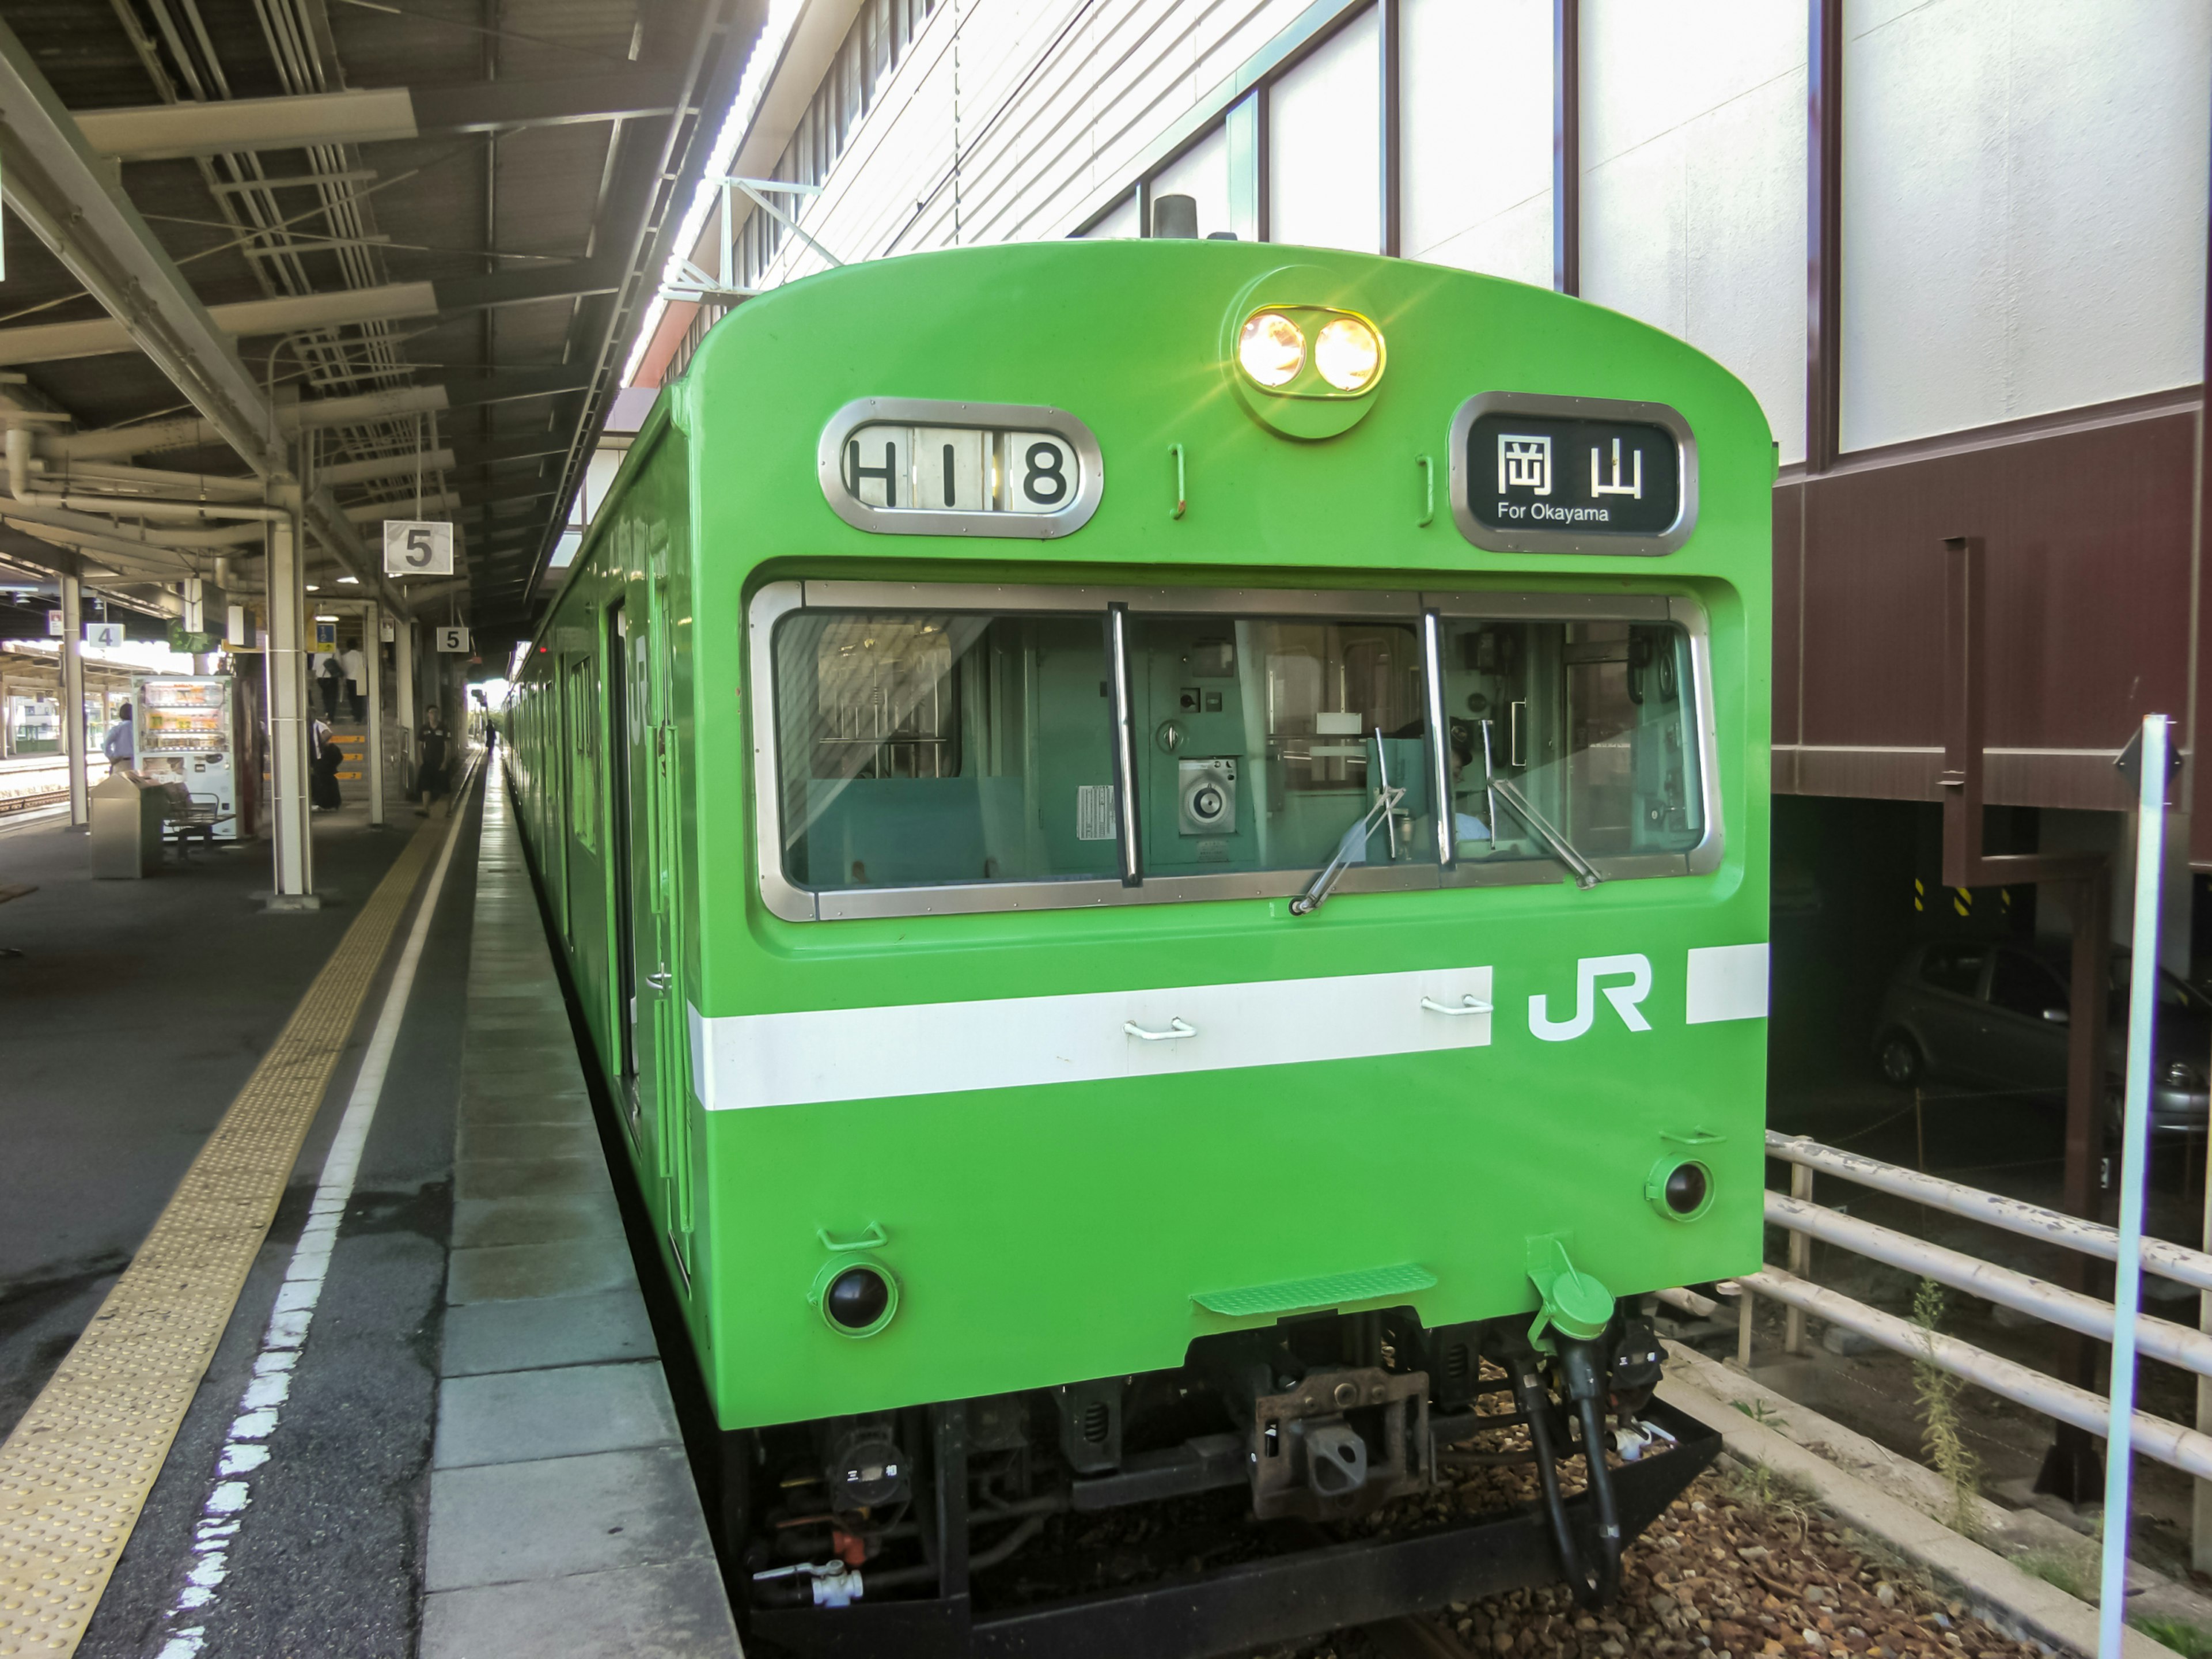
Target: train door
<point>621,735</point>
<point>666,1091</point>
<point>563,758</point>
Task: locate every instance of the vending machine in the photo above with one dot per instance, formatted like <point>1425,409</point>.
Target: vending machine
<point>184,736</point>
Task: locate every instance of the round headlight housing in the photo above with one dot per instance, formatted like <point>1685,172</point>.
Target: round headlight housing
<point>1349,353</point>
<point>857,1296</point>
<point>1271,349</point>
<point>1679,1188</point>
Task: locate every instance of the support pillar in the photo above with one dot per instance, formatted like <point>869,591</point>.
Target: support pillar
<point>73,696</point>
<point>371,629</point>
<point>291,842</point>
<point>403,670</point>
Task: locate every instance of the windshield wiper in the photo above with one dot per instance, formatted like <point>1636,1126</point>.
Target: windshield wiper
<point>1557,845</point>
<point>1354,844</point>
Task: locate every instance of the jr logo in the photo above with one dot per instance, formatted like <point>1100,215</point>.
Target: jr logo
<point>1588,972</point>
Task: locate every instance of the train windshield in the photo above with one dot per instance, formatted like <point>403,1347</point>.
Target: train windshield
<point>921,748</point>
<point>1585,729</point>
<point>1261,743</point>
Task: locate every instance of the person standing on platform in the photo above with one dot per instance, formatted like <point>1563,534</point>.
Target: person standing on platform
<point>430,768</point>
<point>121,744</point>
<point>356,674</point>
<point>333,679</point>
<point>325,794</point>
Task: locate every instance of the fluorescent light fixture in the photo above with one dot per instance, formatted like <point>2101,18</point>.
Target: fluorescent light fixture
<point>325,618</point>
<point>313,588</point>
<point>354,581</point>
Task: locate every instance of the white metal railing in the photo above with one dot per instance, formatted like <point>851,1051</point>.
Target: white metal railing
<point>2119,1322</point>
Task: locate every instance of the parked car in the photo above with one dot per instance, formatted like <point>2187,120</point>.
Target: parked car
<point>1998,1016</point>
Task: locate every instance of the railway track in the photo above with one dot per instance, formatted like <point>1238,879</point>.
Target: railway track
<point>31,801</point>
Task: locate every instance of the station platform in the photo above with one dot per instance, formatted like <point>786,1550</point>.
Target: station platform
<point>319,1330</point>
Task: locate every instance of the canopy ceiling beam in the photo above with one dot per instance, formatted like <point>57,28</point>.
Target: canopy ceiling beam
<point>95,336</point>
<point>154,133</point>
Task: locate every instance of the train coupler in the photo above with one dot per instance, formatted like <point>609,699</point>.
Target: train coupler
<point>1341,1443</point>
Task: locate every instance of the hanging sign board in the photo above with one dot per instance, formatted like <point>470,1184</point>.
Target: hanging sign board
<point>105,636</point>
<point>452,639</point>
<point>417,547</point>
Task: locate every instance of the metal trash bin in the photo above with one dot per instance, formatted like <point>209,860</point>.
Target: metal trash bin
<point>127,826</point>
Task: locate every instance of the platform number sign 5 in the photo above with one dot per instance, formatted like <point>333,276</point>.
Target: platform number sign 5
<point>452,639</point>
<point>909,466</point>
<point>416,547</point>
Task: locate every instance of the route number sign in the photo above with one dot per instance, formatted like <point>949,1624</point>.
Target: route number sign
<point>416,547</point>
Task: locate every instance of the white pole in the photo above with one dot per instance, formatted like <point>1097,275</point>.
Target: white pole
<point>373,739</point>
<point>73,696</point>
<point>2127,1288</point>
<point>291,840</point>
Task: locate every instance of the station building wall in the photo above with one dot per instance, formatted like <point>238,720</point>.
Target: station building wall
<point>2013,342</point>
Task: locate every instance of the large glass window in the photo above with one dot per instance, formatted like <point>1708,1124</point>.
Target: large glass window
<point>1262,743</point>
<point>1570,741</point>
<point>932,749</point>
<point>960,748</point>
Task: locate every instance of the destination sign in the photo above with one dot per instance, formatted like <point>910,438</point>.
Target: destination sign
<point>1597,477</point>
<point>1564,475</point>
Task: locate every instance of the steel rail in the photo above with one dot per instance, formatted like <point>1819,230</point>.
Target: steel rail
<point>2177,1344</point>
<point>2184,1449</point>
<point>2174,1261</point>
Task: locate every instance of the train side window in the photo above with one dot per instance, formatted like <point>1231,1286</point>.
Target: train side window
<point>925,749</point>
<point>1592,724</point>
<point>583,708</point>
<point>1261,743</point>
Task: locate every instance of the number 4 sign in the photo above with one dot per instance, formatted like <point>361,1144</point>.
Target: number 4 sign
<point>452,639</point>
<point>414,547</point>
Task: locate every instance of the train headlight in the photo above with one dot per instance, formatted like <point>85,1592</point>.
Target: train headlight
<point>1679,1188</point>
<point>1301,360</point>
<point>857,1296</point>
<point>1271,349</point>
<point>1349,353</point>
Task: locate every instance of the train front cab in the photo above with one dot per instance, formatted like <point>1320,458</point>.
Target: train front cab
<point>1189,1019</point>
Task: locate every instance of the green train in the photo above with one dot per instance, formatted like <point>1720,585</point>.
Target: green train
<point>1163,845</point>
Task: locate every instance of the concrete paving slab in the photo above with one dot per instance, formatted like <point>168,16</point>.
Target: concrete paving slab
<point>507,1177</point>
<point>516,1417</point>
<point>558,1073</point>
<point>480,1141</point>
<point>495,1041</point>
<point>546,1106</point>
<point>486,1337</point>
<point>675,1611</point>
<point>507,1272</point>
<point>507,1522</point>
<point>481,1222</point>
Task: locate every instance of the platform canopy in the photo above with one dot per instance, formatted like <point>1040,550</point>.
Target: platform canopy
<point>370,248</point>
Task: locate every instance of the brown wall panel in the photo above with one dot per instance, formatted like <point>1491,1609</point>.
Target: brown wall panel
<point>2088,538</point>
<point>1789,612</point>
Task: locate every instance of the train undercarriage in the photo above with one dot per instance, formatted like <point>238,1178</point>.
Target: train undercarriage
<point>1331,1470</point>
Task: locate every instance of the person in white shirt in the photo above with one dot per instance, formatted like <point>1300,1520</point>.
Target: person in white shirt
<point>356,676</point>
<point>121,744</point>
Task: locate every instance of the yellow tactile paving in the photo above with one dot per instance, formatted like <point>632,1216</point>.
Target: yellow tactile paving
<point>75,1474</point>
